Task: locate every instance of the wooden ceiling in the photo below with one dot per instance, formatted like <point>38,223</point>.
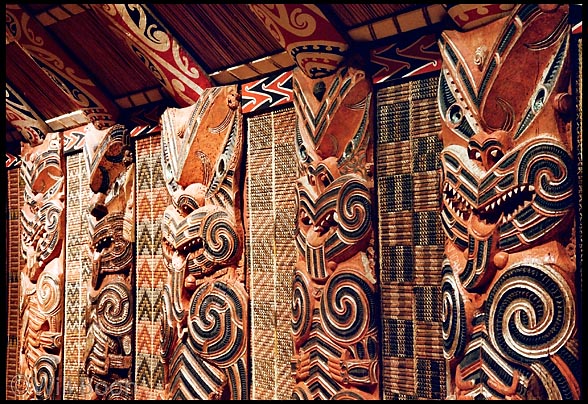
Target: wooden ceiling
<point>228,42</point>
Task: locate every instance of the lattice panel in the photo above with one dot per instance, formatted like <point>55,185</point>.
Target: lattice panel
<point>410,240</point>
<point>151,199</point>
<point>271,170</point>
<point>78,267</point>
<point>14,261</point>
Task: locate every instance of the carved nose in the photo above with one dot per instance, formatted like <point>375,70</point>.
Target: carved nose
<point>487,149</point>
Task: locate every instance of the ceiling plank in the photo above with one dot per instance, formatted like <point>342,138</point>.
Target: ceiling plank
<point>176,70</point>
<point>21,115</point>
<point>71,78</point>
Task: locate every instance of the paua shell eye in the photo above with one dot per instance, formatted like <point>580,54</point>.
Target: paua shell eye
<point>303,153</point>
<point>455,114</point>
<point>539,100</point>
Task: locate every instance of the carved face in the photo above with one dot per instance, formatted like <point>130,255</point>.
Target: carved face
<point>41,216</point>
<point>506,162</point>
<point>334,221</point>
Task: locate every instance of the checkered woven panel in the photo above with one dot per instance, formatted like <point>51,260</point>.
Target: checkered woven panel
<point>410,240</point>
<point>14,262</point>
<point>271,171</point>
<point>78,268</point>
<point>151,200</point>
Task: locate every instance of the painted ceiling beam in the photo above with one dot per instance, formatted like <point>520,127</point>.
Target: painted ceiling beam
<point>21,115</point>
<point>71,78</point>
<point>306,34</point>
<point>177,71</point>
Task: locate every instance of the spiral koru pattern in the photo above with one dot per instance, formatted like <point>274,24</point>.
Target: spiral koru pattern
<point>301,306</point>
<point>531,312</point>
<point>221,242</point>
<point>453,315</point>
<point>348,306</point>
<point>354,210</point>
<point>45,376</point>
<point>50,215</point>
<point>215,322</point>
<point>113,307</point>
<point>165,330</point>
<point>49,293</point>
<point>301,392</point>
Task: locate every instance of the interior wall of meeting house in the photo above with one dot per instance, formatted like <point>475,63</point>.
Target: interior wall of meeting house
<point>409,235</point>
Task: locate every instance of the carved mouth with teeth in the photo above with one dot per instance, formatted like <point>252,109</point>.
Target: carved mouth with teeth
<point>501,210</point>
<point>324,225</point>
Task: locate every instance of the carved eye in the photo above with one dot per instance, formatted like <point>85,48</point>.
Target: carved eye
<point>539,100</point>
<point>168,172</point>
<point>303,153</point>
<point>455,114</point>
<point>348,150</point>
<point>221,166</point>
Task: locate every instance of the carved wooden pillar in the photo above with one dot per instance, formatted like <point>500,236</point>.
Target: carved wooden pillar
<point>204,328</point>
<point>508,203</point>
<point>334,307</point>
<point>109,316</point>
<point>42,243</point>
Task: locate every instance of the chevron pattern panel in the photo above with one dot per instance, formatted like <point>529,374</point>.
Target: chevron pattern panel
<point>75,384</point>
<point>14,262</point>
<point>271,171</point>
<point>151,199</point>
<point>410,240</point>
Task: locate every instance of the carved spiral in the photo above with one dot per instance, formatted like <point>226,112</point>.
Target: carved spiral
<point>44,376</point>
<point>50,215</point>
<point>348,306</point>
<point>215,322</point>
<point>548,165</point>
<point>353,208</point>
<point>301,306</point>
<point>453,315</point>
<point>165,330</point>
<point>301,392</point>
<point>221,242</point>
<point>531,312</point>
<point>49,293</point>
<point>114,309</point>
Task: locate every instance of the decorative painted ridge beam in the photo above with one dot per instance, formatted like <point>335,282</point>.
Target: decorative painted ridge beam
<point>63,71</point>
<point>175,69</point>
<point>306,34</point>
<point>22,116</point>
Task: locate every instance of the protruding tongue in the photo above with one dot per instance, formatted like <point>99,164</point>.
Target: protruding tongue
<point>481,228</point>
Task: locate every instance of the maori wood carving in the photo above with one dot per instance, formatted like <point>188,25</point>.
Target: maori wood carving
<point>109,317</point>
<point>204,323</point>
<point>509,277</point>
<point>42,243</point>
<point>334,301</point>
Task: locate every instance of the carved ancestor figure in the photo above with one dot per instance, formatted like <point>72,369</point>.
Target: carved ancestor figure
<point>509,277</point>
<point>204,339</point>
<point>109,316</point>
<point>334,301</point>
<point>41,300</point>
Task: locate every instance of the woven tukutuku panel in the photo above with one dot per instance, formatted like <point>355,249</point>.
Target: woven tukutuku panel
<point>271,170</point>
<point>410,240</point>
<point>14,261</point>
<point>151,200</point>
<point>78,267</point>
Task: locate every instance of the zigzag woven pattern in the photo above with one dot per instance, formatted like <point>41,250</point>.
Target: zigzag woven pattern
<point>14,263</point>
<point>151,200</point>
<point>75,384</point>
<point>410,241</point>
<point>271,253</point>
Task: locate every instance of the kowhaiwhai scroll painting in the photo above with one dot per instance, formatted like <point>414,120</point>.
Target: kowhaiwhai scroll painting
<point>42,278</point>
<point>334,302</point>
<point>109,315</point>
<point>204,323</point>
<point>509,277</point>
